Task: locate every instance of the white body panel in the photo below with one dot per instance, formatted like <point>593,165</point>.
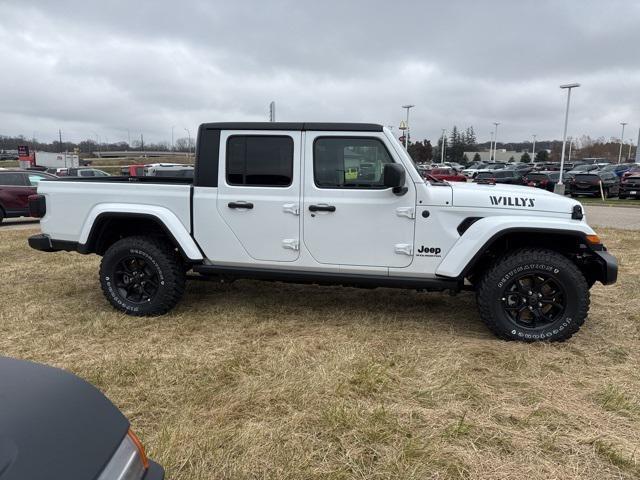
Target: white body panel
<point>72,208</point>
<point>372,231</point>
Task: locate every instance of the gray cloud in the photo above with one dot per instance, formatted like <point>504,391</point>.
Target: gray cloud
<point>105,68</point>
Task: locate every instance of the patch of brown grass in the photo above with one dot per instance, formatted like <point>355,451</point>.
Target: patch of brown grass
<point>266,380</point>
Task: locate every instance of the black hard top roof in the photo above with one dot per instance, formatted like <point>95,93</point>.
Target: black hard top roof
<point>323,127</point>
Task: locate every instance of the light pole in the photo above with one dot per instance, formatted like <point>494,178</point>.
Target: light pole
<point>533,149</point>
<point>491,146</point>
<point>570,145</point>
<point>630,146</point>
<point>559,188</point>
<point>406,134</point>
<point>495,141</point>
<point>189,137</point>
<point>172,127</point>
<point>442,146</point>
<point>621,141</point>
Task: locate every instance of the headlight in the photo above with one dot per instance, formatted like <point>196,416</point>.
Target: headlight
<point>128,463</point>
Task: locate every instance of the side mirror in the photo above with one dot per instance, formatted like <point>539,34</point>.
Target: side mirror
<point>394,176</point>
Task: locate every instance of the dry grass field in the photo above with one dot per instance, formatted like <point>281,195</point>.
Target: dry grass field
<point>265,380</point>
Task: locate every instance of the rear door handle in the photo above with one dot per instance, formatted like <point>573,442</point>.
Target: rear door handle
<point>247,205</point>
<point>322,208</point>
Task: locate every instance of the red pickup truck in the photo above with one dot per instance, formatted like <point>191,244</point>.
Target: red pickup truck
<point>15,188</point>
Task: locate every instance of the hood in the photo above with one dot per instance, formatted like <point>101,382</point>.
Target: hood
<point>512,197</point>
<point>54,425</point>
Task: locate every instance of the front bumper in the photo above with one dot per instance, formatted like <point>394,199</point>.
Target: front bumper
<point>608,267</point>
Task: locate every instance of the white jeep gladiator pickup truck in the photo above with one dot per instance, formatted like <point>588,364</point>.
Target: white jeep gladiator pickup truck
<point>329,203</point>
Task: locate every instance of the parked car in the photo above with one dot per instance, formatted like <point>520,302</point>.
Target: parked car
<point>635,168</point>
<point>85,172</point>
<point>272,201</point>
<point>15,187</point>
<point>180,170</point>
<point>630,185</point>
<point>618,169</point>
<point>519,167</point>
<point>548,166</point>
<point>492,167</point>
<point>473,169</point>
<point>448,174</point>
<point>544,180</point>
<point>589,184</point>
<point>132,171</point>
<point>54,425</point>
<point>583,168</point>
<point>512,177</point>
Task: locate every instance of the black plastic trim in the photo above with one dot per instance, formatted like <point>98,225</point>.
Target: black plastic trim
<point>609,266</point>
<point>43,243</point>
<point>207,157</point>
<point>301,126</point>
<point>37,206</point>
<point>466,223</point>
<point>295,276</point>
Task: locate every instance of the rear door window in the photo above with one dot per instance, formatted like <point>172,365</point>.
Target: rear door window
<point>260,160</point>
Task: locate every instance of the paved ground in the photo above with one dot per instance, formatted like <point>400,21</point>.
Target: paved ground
<point>626,218</point>
<point>18,224</point>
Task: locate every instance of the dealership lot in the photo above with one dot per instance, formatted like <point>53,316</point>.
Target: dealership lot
<point>257,379</point>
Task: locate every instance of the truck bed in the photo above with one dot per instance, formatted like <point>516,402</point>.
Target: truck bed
<point>73,203</point>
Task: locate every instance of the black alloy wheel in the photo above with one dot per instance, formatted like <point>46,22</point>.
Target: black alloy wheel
<point>534,300</point>
<point>136,281</point>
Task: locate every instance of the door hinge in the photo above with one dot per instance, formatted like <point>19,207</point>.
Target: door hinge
<point>291,208</point>
<point>404,249</point>
<point>408,212</point>
<point>291,244</point>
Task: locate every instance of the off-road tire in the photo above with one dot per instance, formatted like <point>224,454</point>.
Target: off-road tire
<point>492,289</point>
<point>162,261</point>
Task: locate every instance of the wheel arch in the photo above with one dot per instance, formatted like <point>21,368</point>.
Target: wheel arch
<point>462,262</point>
<point>108,227</point>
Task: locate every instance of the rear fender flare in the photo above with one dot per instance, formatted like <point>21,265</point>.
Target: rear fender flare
<point>165,217</point>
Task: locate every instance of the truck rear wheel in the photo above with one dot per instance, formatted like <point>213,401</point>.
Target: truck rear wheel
<point>533,295</point>
<point>142,276</point>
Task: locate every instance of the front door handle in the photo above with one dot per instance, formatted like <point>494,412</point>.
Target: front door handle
<point>247,205</point>
<point>322,208</point>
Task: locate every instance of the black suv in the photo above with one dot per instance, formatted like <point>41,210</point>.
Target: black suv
<point>630,186</point>
<point>513,177</point>
<point>589,184</point>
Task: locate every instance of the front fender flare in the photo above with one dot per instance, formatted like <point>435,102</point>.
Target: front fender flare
<point>485,231</point>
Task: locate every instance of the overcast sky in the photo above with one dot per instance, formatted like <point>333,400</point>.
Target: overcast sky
<point>100,68</point>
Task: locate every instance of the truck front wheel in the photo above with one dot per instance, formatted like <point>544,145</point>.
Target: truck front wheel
<point>142,276</point>
<point>532,295</point>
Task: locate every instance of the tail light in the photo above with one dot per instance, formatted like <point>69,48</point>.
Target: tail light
<point>37,206</point>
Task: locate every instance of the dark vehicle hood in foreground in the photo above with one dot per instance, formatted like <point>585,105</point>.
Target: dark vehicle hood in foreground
<point>54,425</point>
